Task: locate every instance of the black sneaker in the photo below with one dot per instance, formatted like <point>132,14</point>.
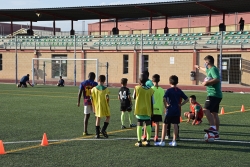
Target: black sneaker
<point>147,143</point>
<point>104,133</point>
<point>123,127</point>
<point>97,136</point>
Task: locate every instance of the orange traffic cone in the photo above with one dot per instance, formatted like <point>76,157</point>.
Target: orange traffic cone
<point>2,148</point>
<point>222,111</point>
<point>242,108</point>
<point>44,140</point>
<point>180,119</point>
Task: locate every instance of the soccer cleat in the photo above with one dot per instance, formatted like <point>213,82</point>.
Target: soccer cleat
<point>138,144</point>
<point>216,136</point>
<point>123,127</point>
<point>104,133</point>
<point>173,144</point>
<point>132,125</point>
<point>97,136</point>
<point>161,144</point>
<point>211,130</point>
<point>198,122</point>
<point>144,138</point>
<point>147,143</point>
<point>85,134</point>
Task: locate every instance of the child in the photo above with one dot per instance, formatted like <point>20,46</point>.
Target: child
<point>158,105</point>
<point>172,104</point>
<point>85,91</point>
<point>126,103</point>
<point>196,112</point>
<point>143,108</point>
<point>60,82</point>
<point>100,103</point>
<point>148,84</point>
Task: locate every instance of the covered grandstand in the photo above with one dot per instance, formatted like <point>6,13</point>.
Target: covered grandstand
<point>164,53</point>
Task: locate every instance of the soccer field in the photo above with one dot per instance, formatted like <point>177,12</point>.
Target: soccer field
<point>28,113</point>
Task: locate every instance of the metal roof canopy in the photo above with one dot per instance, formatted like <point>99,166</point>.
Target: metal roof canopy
<point>170,9</point>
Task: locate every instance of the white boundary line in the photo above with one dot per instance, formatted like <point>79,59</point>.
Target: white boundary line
<point>104,139</point>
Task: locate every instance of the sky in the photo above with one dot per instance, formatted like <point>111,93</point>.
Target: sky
<point>64,25</point>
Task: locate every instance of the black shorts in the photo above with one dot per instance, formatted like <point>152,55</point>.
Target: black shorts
<point>156,118</point>
<point>23,83</point>
<point>212,104</point>
<point>126,108</point>
<point>172,120</point>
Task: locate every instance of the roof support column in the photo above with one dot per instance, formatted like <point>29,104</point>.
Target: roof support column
<point>150,24</point>
<point>11,27</point>
<point>100,26</point>
<point>72,31</point>
<point>166,25</point>
<point>31,29</point>
<point>222,26</point>
<point>54,27</point>
<point>115,30</point>
<point>224,18</point>
<point>209,23</point>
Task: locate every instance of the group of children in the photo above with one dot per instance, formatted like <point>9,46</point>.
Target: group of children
<point>150,103</point>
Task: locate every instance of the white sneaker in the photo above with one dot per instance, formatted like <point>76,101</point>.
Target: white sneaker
<point>173,143</point>
<point>161,144</point>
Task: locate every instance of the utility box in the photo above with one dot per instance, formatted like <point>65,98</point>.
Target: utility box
<point>192,75</point>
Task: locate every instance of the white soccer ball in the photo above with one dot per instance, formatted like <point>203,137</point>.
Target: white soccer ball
<point>207,79</point>
<point>209,137</point>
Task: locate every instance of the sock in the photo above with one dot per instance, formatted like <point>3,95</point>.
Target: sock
<point>122,118</point>
<point>148,130</point>
<point>130,117</point>
<point>213,127</point>
<point>139,132</point>
<point>105,126</point>
<point>97,130</point>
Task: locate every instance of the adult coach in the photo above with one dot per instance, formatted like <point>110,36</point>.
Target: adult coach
<point>85,90</point>
<point>23,81</point>
<point>214,95</point>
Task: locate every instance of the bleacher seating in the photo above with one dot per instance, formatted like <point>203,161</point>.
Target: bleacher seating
<point>133,41</point>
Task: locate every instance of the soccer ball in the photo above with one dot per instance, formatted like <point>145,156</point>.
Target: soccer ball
<point>207,79</point>
<point>209,137</point>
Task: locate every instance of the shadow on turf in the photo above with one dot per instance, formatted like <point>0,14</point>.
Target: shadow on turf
<point>234,125</point>
<point>218,144</point>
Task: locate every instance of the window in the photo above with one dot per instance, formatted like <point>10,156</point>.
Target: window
<point>145,62</point>
<point>125,64</point>
<point>59,67</point>
<point>1,62</point>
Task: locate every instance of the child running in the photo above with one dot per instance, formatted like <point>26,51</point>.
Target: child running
<point>158,104</point>
<point>143,108</point>
<point>100,102</point>
<point>172,103</point>
<point>126,104</point>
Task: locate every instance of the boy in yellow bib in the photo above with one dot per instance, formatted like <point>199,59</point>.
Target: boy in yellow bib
<point>100,102</point>
<point>143,108</point>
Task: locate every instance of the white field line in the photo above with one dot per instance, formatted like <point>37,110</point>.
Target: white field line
<point>104,139</point>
